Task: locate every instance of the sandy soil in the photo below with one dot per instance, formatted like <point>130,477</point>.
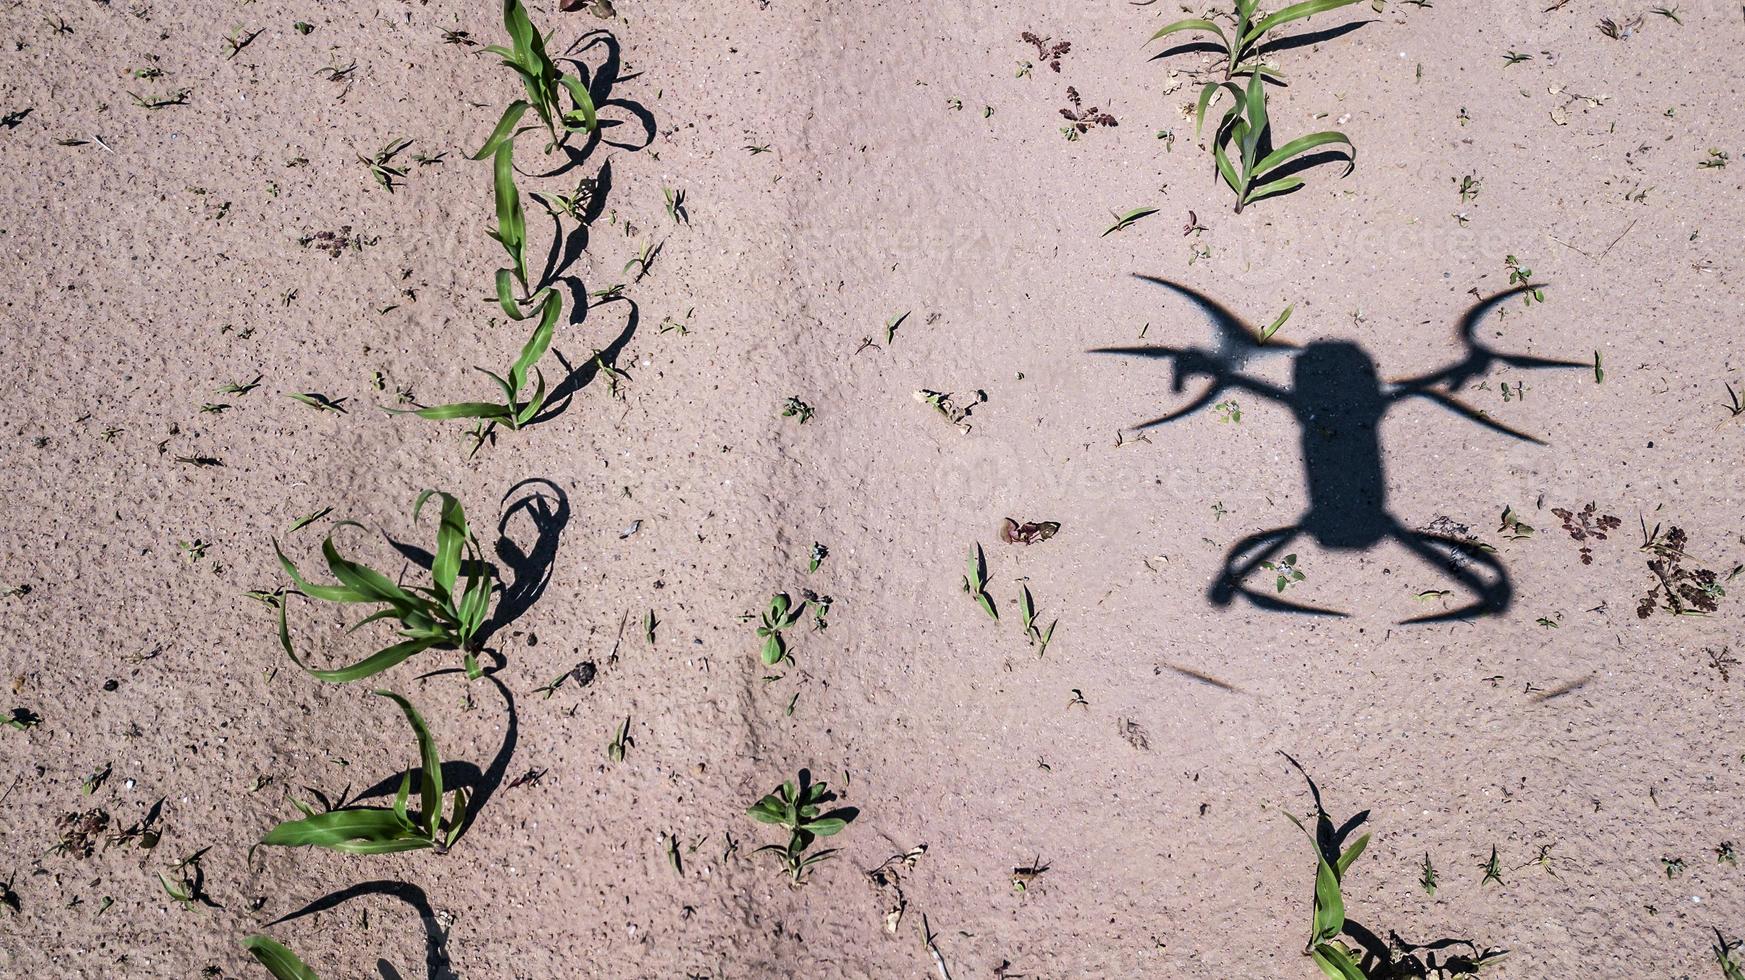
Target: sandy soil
<point>156,254</point>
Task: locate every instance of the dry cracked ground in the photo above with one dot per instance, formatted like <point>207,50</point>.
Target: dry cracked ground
<point>794,216</point>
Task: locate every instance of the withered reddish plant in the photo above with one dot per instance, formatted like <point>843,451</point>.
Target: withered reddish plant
<point>1681,591</point>
<point>1586,525</point>
<point>1045,52</point>
<point>1083,119</point>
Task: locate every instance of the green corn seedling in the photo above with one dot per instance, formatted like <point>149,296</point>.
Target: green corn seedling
<point>1246,127</point>
<point>1273,327</point>
<point>1725,949</point>
<point>447,614</point>
<point>544,83</point>
<point>782,614</point>
<point>382,166</point>
<point>279,961</point>
<point>1335,959</point>
<point>975,583</point>
<point>1332,859</point>
<point>511,233</point>
<point>511,230</point>
<point>1037,636</point>
<point>1242,43</point>
<point>796,809</point>
<point>378,830</point>
<point>519,406</point>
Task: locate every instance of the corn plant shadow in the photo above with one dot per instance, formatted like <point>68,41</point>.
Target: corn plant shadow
<point>613,113</point>
<point>481,785</point>
<point>1338,401</point>
<point>1287,43</point>
<point>1308,38</point>
<point>566,248</point>
<point>546,508</point>
<point>578,376</point>
<point>436,959</point>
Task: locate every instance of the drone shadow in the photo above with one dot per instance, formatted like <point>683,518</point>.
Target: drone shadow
<point>1338,401</point>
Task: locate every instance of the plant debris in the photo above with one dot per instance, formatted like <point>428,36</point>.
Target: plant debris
<point>1029,532</point>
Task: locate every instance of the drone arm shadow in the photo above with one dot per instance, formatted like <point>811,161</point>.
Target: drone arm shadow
<point>1493,597</point>
<point>1236,568</point>
<point>1190,362</point>
<point>1479,358</point>
<point>1466,411</point>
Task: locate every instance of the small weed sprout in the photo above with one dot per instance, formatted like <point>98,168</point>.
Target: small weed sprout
<point>318,401</point>
<point>676,208</point>
<point>1585,525</point>
<point>642,261</point>
<point>378,830</point>
<point>22,720</point>
<point>620,741</point>
<point>1286,571</point>
<point>1272,328</point>
<point>1125,220</point>
<point>781,615</point>
<point>1519,276</point>
<point>1735,407</point>
<point>614,378</point>
<point>794,408</point>
<point>1493,868</point>
<point>382,166</point>
<point>189,888</point>
<point>796,810</point>
<point>947,405</point>
<point>1079,119</point>
<point>1682,591</point>
<point>1512,527</point>
<point>1037,636</point>
<point>1048,54</point>
<point>447,614</point>
<point>239,39</point>
<point>573,205</point>
<point>1027,533</point>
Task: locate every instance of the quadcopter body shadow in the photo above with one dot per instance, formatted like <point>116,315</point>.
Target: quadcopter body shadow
<point>1339,400</point>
